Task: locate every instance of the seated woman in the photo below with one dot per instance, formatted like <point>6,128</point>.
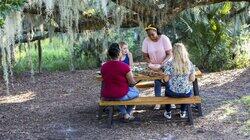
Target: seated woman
<point>126,56</point>
<point>118,82</point>
<point>180,72</point>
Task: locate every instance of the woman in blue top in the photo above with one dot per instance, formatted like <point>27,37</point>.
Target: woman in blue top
<point>126,55</point>
<point>180,73</point>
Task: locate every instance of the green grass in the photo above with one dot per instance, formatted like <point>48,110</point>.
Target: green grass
<point>246,101</point>
<point>230,111</point>
<point>55,57</point>
<point>234,112</point>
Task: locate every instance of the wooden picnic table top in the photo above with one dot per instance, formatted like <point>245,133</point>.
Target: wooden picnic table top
<point>142,77</point>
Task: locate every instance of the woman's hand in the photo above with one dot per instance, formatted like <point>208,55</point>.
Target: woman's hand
<point>130,78</point>
<point>155,67</point>
<point>166,78</point>
<point>146,57</point>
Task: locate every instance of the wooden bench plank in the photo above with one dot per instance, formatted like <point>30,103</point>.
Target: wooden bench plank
<point>145,84</point>
<point>153,101</point>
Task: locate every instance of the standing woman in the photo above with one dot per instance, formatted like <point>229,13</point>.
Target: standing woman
<point>157,50</point>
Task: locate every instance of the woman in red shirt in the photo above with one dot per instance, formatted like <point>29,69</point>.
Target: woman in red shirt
<point>118,81</point>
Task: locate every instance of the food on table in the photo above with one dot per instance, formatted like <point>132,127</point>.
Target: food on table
<point>145,70</point>
<point>154,66</point>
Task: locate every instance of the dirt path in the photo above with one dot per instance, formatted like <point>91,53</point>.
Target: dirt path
<point>63,105</point>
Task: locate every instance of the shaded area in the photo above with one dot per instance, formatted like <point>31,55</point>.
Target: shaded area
<point>64,105</point>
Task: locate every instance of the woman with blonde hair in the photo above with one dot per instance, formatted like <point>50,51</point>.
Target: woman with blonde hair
<point>180,73</point>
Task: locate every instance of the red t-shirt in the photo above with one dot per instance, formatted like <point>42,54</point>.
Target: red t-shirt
<point>115,84</point>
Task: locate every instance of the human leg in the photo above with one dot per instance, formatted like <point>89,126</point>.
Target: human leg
<point>132,94</point>
<point>157,88</point>
<point>167,112</point>
<point>183,112</point>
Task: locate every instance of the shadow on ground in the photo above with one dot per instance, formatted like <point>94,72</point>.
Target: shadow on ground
<point>63,105</point>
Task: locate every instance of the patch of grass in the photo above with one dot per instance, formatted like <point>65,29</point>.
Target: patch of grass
<point>55,57</point>
<point>246,100</point>
<point>246,128</point>
<point>52,60</point>
<point>230,111</point>
<point>248,125</point>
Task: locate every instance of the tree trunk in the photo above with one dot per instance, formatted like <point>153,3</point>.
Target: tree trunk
<point>39,55</point>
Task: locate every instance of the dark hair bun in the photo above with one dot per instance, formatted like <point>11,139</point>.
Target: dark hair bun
<point>114,50</point>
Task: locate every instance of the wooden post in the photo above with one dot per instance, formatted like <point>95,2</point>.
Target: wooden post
<point>190,115</point>
<point>196,87</point>
<point>39,55</point>
<point>196,93</point>
<point>110,119</point>
<point>100,112</point>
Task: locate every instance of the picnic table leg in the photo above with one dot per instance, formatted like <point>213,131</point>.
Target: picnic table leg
<point>196,93</point>
<point>190,115</point>
<point>110,118</point>
<point>100,111</point>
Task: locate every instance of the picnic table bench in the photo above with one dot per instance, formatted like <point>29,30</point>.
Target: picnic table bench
<point>147,82</point>
<point>150,101</point>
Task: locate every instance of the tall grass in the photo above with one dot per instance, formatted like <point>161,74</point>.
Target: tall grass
<point>56,56</point>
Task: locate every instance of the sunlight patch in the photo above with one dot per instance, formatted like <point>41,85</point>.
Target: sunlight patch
<point>220,78</point>
<point>245,128</point>
<point>223,112</point>
<point>17,98</point>
<point>140,111</point>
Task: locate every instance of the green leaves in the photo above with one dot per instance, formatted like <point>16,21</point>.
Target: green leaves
<point>8,6</point>
<point>1,22</point>
<point>226,8</point>
<point>212,36</point>
<point>213,24</point>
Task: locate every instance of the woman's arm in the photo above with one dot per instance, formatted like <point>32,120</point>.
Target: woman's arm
<point>168,56</point>
<point>192,72</point>
<point>167,47</point>
<point>146,57</point>
<point>192,77</point>
<point>130,56</point>
<point>130,78</point>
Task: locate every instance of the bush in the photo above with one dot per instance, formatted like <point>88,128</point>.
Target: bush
<point>214,41</point>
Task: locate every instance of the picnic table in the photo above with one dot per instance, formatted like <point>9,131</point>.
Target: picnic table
<point>141,77</point>
<point>150,82</point>
<point>149,79</point>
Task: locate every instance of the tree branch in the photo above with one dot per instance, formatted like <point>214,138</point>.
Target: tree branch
<point>146,13</point>
<point>36,37</point>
